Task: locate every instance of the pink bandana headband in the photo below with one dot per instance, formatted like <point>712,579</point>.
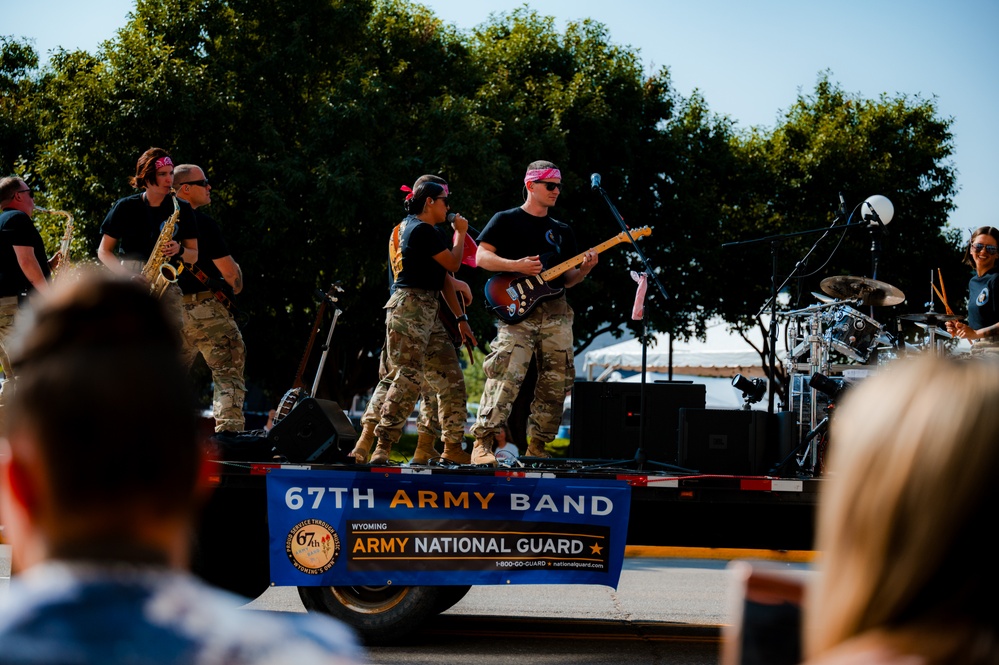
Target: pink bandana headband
<point>164,161</point>
<point>541,174</point>
<point>409,190</point>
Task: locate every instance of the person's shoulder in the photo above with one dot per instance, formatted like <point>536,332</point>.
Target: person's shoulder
<point>12,220</point>
<point>204,219</point>
<point>126,203</point>
<point>130,200</point>
<point>511,213</point>
<point>256,637</point>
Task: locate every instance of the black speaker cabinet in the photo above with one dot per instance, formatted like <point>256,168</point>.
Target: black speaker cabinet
<point>726,442</point>
<point>607,418</point>
<point>316,430</point>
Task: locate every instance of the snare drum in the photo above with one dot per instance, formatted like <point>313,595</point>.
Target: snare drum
<point>854,334</point>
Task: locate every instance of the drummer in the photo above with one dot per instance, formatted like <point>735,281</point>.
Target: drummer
<point>982,328</point>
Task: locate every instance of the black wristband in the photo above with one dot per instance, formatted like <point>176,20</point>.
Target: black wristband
<point>463,317</point>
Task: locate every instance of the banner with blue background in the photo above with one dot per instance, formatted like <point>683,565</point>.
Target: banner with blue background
<point>337,528</point>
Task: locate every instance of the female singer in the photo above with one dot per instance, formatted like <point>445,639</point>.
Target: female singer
<point>411,319</point>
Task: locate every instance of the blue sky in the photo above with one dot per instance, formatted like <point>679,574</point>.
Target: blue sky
<point>749,59</point>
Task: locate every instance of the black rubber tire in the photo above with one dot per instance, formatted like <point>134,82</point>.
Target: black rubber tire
<point>449,596</point>
<point>380,615</point>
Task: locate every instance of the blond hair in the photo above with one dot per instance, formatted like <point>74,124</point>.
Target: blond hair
<point>906,516</point>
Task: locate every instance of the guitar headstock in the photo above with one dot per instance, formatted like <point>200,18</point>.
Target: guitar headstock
<point>635,234</point>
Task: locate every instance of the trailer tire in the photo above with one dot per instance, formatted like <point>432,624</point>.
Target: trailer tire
<point>380,615</point>
<point>449,596</point>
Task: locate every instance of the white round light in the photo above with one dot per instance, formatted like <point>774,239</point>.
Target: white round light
<point>880,205</point>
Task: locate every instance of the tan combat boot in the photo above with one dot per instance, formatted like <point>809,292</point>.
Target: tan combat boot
<point>536,448</point>
<point>425,450</point>
<point>482,452</point>
<point>382,453</point>
<point>454,453</point>
<point>364,442</point>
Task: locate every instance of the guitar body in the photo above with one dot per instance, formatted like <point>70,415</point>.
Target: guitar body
<point>513,296</point>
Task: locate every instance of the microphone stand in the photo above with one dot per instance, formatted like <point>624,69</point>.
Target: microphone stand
<point>771,303</point>
<point>640,458</point>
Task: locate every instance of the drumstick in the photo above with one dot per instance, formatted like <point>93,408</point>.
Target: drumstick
<point>942,293</point>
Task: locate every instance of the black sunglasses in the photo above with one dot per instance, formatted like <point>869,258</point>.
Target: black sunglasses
<point>550,186</point>
<point>195,183</point>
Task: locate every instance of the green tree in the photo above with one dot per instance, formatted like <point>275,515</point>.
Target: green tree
<point>830,142</point>
<point>18,125</point>
<point>309,116</point>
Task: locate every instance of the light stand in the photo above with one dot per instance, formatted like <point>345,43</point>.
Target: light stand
<point>878,212</point>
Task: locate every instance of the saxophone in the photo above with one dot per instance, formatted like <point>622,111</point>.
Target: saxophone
<point>158,271</point>
<point>67,239</point>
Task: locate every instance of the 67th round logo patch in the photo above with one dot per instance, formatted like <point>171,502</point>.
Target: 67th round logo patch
<point>312,546</point>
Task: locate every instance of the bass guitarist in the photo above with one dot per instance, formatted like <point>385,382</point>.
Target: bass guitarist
<point>209,327</point>
<point>520,240</point>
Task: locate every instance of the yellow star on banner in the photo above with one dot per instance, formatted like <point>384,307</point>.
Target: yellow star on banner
<point>595,549</point>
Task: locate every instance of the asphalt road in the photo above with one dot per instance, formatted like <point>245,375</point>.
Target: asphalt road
<point>665,610</point>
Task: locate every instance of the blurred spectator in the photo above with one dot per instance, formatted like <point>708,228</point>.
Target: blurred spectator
<point>904,520</point>
<point>99,491</point>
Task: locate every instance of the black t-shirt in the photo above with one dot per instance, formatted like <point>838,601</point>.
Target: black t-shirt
<point>136,225</point>
<point>394,254</point>
<point>983,301</point>
<point>419,243</point>
<point>17,230</point>
<point>211,246</point>
<point>516,234</point>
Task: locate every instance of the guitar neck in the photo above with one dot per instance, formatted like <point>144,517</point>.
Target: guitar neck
<point>552,273</point>
<point>300,375</point>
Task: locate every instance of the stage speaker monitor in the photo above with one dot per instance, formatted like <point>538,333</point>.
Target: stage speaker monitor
<point>607,418</point>
<point>316,430</point>
<point>724,441</point>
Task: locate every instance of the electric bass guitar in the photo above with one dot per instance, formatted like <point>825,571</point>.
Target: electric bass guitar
<point>513,295</point>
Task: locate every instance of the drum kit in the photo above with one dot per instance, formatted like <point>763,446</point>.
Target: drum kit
<point>836,330</point>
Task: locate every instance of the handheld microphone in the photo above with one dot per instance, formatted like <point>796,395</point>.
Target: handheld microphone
<point>842,204</point>
<point>595,181</point>
<point>450,217</point>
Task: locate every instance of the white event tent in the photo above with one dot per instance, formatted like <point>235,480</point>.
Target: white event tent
<point>712,362</point>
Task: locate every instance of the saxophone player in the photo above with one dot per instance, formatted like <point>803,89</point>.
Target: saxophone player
<point>23,266</point>
<point>132,227</point>
<point>209,327</point>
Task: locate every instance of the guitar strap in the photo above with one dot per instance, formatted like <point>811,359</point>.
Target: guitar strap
<point>218,293</point>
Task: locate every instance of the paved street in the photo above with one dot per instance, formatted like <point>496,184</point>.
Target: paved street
<point>664,610</point>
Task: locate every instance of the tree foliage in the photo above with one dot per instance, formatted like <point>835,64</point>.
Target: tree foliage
<point>308,117</point>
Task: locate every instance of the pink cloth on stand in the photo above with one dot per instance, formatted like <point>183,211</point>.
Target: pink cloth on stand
<point>638,310</point>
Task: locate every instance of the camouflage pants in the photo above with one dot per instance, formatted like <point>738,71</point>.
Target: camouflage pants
<point>8,313</point>
<point>418,358</point>
<point>428,422</point>
<point>210,330</point>
<point>545,334</point>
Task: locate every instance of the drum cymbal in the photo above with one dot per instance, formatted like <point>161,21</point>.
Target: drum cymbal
<point>822,297</point>
<point>869,291</point>
<point>939,332</point>
<point>932,318</point>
